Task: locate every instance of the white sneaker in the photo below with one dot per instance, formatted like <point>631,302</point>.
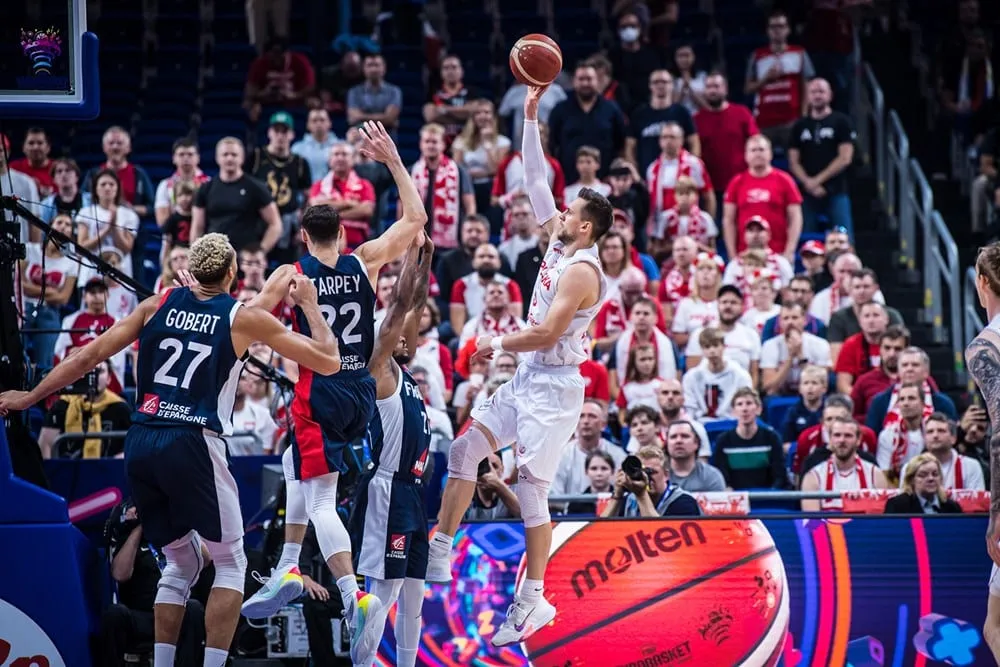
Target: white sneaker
<point>365,634</point>
<point>523,621</point>
<point>438,569</point>
<point>279,589</point>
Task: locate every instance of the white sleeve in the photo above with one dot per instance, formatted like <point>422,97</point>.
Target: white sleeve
<point>755,346</point>
<point>972,475</point>
<point>883,453</point>
<point>711,229</point>
<point>786,270</point>
<point>693,346</point>
<point>705,450</point>
<point>822,353</point>
<point>769,354</point>
<point>729,275</point>
<point>681,317</point>
<point>536,182</point>
<point>162,199</point>
<point>692,399</point>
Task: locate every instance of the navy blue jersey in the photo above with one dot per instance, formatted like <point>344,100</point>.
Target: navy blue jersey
<point>347,302</point>
<point>400,432</point>
<point>187,367</point>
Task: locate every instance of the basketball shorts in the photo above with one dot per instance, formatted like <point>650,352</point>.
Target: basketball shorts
<point>995,581</point>
<point>180,481</point>
<point>332,416</point>
<point>536,412</point>
<point>389,528</point>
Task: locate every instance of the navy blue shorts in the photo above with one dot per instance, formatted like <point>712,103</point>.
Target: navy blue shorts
<point>180,482</point>
<point>389,528</point>
<point>328,417</point>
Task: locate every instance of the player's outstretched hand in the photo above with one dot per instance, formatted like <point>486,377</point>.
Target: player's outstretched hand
<point>376,143</point>
<point>531,99</point>
<point>302,291</point>
<point>13,401</point>
<point>184,279</point>
<point>484,349</point>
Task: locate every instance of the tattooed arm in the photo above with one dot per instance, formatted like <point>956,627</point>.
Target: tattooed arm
<point>982,358</point>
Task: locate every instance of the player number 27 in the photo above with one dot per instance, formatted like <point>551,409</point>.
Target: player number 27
<point>201,353</point>
<point>349,309</point>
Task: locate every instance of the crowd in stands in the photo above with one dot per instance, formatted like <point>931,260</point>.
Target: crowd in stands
<point>742,345</point>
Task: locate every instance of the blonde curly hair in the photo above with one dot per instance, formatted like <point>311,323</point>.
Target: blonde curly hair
<point>210,258</point>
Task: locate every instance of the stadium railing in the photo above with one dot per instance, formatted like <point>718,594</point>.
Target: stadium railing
<point>57,444</point>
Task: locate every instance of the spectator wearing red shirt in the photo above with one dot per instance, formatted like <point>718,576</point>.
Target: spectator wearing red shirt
<point>36,162</point>
<point>860,353</point>
<point>468,295</point>
<point>777,75</point>
<point>137,191</point>
<point>676,282</point>
<point>765,191</point>
<point>595,379</point>
<point>279,77</point>
<point>724,128</point>
<point>816,437</point>
<point>86,324</point>
<point>351,195</point>
<point>867,386</point>
<point>672,164</point>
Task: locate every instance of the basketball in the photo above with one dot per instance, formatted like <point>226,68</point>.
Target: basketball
<point>634,593</point>
<point>535,60</point>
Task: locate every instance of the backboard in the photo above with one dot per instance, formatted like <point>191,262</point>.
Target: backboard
<point>48,62</point>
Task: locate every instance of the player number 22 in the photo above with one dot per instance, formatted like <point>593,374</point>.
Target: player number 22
<point>201,353</point>
<point>349,309</point>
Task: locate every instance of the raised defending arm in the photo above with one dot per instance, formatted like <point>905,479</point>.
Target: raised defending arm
<point>416,268</point>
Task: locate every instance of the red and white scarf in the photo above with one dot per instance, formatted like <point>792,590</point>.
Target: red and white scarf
<point>675,286</point>
<point>199,178</point>
<point>893,420</point>
<point>835,298</point>
<point>660,185</point>
<point>445,209</point>
<point>487,325</point>
<point>832,471</point>
<point>666,365</point>
<point>354,188</point>
<point>673,224</point>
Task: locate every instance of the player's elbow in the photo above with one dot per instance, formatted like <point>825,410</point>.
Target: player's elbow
<point>329,364</point>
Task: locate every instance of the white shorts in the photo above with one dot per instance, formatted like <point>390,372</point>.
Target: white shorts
<point>538,410</point>
<point>995,581</point>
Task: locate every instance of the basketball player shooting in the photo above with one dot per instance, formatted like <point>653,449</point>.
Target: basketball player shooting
<point>330,413</point>
<point>388,524</point>
<point>982,358</point>
<point>539,408</point>
<point>175,455</point>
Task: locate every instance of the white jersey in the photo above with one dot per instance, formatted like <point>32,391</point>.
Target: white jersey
<point>830,478</point>
<point>570,349</point>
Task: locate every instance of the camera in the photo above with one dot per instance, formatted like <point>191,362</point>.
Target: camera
<point>632,467</point>
<point>86,385</point>
<point>484,467</point>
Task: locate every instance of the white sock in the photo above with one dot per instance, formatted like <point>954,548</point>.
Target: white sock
<point>441,545</point>
<point>406,657</point>
<point>163,655</point>
<point>215,657</point>
<point>289,555</point>
<point>348,585</point>
<point>531,590</point>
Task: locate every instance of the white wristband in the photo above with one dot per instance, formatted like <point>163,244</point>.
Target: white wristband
<point>497,344</point>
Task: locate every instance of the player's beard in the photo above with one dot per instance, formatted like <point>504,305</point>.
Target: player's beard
<point>402,359</point>
<point>566,237</point>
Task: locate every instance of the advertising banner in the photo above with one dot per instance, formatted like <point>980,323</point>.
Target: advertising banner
<point>865,592</point>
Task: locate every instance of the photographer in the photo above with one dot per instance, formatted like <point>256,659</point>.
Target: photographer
<point>127,627</point>
<point>493,498</point>
<point>642,488</point>
<point>87,407</point>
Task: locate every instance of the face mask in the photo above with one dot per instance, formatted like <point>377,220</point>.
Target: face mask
<point>629,34</point>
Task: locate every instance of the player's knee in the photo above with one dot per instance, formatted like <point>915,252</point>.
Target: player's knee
<point>465,454</point>
<point>533,495</point>
<point>184,563</point>
<point>288,464</point>
<point>295,504</point>
<point>331,533</point>
<point>230,564</point>
<point>319,493</point>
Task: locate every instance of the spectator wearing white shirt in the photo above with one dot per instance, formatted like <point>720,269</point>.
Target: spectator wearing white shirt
<point>571,476</point>
<point>442,432</point>
<point>315,146</point>
<point>684,218</point>
<point>783,357</point>
<point>434,356</point>
<point>701,308</point>
<point>757,236</point>
<point>642,329</point>
<point>641,381</point>
<point>588,161</point>
<point>957,471</point>
<point>20,185</point>
<point>671,399</point>
<point>107,223</point>
<point>838,295</point>
<point>710,386</point>
<point>665,172</point>
<point>468,295</point>
<point>903,438</point>
<point>523,231</point>
<point>251,419</point>
<point>185,159</point>
<point>383,292</point>
<point>121,300</point>
<point>762,307</point>
<point>742,342</point>
<point>496,319</point>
